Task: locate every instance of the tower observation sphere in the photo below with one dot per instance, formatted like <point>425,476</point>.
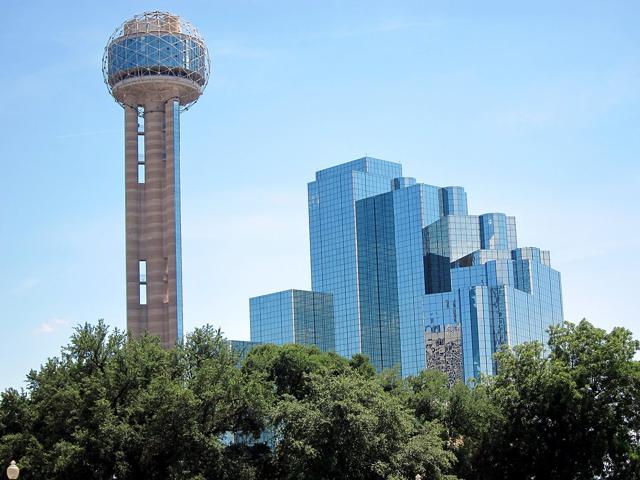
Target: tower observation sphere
<point>156,52</point>
<point>155,65</point>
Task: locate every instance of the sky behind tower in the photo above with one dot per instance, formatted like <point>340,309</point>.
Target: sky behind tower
<point>534,109</point>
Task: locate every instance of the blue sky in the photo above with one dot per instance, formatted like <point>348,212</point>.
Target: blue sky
<point>533,107</point>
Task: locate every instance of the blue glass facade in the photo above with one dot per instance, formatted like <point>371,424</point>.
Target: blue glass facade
<point>497,297</point>
<point>410,278</point>
<point>332,232</point>
<point>453,201</point>
<point>154,53</point>
<point>391,273</point>
<point>293,316</point>
<point>242,347</point>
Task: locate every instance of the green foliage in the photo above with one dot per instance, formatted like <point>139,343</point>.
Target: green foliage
<point>430,395</point>
<point>361,364</point>
<point>288,367</point>
<point>111,407</point>
<point>573,413</point>
<point>347,427</point>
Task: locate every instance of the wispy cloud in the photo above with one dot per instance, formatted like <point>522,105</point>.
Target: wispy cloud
<point>51,326</point>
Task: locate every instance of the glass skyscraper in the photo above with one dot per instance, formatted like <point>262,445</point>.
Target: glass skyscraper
<point>391,272</point>
<point>492,293</point>
<point>332,233</point>
<point>293,316</point>
<point>409,278</point>
<point>242,347</point>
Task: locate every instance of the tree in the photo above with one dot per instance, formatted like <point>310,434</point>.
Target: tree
<point>348,427</point>
<point>113,407</point>
<point>573,413</point>
<point>464,412</point>
<point>288,367</point>
<point>469,418</point>
<point>430,395</point>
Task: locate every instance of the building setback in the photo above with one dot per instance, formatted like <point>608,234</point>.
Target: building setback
<point>415,281</point>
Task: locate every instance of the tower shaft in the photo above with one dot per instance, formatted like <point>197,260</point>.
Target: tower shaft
<point>152,203</point>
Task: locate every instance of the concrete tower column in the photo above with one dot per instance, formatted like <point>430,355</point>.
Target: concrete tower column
<point>134,202</point>
<point>152,222</point>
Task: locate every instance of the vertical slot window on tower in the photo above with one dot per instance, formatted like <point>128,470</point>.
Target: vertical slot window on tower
<point>142,269</point>
<point>141,169</point>
<point>141,172</point>
<point>141,164</point>
<point>143,294</point>
<point>142,281</point>
<point>140,120</point>
<point>166,280</point>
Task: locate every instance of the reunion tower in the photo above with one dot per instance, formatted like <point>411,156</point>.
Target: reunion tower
<point>155,65</point>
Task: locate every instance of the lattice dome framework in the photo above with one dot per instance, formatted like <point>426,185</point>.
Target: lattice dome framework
<point>156,46</point>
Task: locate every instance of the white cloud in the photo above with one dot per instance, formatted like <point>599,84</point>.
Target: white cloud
<point>51,326</point>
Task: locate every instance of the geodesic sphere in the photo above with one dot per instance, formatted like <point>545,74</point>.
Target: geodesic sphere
<point>154,50</point>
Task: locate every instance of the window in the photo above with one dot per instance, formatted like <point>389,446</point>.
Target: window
<point>141,164</point>
<point>140,120</point>
<point>142,270</point>
<point>166,277</point>
<point>141,172</point>
<point>142,281</point>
